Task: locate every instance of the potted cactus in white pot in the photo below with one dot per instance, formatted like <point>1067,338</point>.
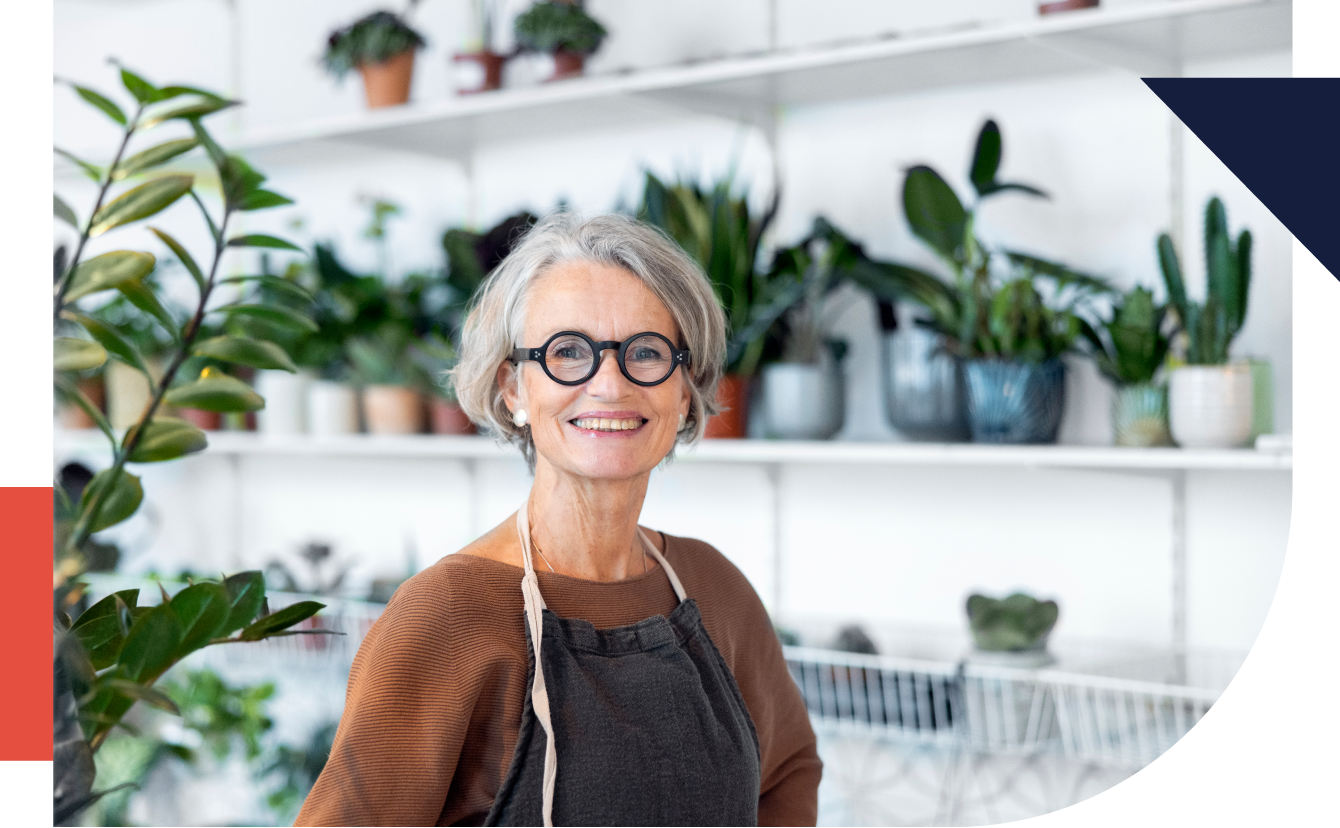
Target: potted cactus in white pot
<point>1210,398</point>
<point>1129,351</point>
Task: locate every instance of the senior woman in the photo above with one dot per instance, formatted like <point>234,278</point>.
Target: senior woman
<point>571,667</point>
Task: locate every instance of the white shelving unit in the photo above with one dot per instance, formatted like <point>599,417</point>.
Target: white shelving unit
<point>1153,39</point>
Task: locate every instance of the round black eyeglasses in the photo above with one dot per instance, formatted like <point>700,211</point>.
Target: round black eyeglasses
<point>572,358</point>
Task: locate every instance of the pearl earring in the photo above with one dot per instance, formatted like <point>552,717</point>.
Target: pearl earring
<point>519,417</point>
<point>681,422</point>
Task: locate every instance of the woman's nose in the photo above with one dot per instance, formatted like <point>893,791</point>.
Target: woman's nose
<point>609,382</point>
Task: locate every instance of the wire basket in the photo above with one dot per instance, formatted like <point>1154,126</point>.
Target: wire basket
<point>1007,710</point>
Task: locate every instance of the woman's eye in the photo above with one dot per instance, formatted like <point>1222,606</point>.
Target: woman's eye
<point>646,354</point>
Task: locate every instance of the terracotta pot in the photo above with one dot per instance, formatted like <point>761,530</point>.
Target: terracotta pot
<point>568,64</point>
<point>732,421</point>
<point>201,419</point>
<point>392,409</point>
<point>478,71</point>
<point>1066,5</point>
<point>387,83</point>
<point>448,418</point>
<point>72,416</point>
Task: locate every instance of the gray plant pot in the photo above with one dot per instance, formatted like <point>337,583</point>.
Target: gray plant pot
<point>924,391</point>
<point>1015,402</point>
<point>803,402</point>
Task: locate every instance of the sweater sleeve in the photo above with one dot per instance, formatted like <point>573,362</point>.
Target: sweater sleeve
<point>399,740</point>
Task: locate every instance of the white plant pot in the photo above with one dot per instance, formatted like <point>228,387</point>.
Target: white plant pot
<point>1210,406</point>
<point>332,408</point>
<point>802,402</point>
<point>285,410</point>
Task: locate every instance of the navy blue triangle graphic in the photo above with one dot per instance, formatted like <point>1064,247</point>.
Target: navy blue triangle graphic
<point>1281,138</point>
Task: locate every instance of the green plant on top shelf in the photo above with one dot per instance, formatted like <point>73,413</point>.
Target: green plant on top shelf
<point>109,657</point>
<point>1132,345</point>
<point>1211,326</point>
<point>558,26</point>
<point>1019,622</point>
<point>376,38</point>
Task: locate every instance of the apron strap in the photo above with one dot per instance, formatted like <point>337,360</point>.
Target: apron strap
<point>539,695</point>
<point>660,559</point>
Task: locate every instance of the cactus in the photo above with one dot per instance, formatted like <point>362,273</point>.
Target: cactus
<point>1211,326</point>
<point>1019,622</point>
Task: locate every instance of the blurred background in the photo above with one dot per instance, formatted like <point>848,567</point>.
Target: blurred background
<point>1128,483</point>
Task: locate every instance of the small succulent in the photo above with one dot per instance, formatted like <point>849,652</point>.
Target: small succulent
<point>1135,346</point>
<point>373,39</point>
<point>1019,622</point>
<point>554,26</point>
<point>853,639</point>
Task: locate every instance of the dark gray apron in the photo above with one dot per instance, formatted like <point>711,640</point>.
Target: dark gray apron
<point>647,720</point>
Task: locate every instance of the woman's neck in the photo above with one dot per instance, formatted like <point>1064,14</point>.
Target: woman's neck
<point>587,528</point>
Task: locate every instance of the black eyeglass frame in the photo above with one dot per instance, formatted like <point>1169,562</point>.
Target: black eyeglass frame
<point>678,356</point>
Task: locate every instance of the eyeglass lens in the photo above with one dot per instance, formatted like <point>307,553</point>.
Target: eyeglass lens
<point>647,359</point>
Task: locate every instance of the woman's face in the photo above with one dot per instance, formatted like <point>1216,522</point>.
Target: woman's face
<point>606,427</point>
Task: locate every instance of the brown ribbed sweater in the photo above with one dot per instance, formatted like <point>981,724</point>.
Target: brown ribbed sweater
<point>436,691</point>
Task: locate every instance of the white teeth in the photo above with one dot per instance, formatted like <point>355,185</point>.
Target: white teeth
<point>606,424</point>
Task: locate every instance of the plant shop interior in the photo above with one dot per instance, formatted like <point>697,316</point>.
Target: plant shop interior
<point>1006,443</point>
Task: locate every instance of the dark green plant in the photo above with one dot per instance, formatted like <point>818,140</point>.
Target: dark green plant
<point>854,639</point>
<point>1132,346</point>
<point>471,257</point>
<point>375,38</point>
<point>976,307</point>
<point>717,230</point>
<point>110,656</point>
<point>1210,327</point>
<point>1019,622</point>
<point>558,25</point>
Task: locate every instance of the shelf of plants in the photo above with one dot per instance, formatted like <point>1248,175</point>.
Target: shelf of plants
<point>743,451</point>
<point>1152,39</point>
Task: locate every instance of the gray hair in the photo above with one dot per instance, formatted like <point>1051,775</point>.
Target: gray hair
<point>497,314</point>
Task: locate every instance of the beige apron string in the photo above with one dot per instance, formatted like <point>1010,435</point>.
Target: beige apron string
<point>669,570</point>
<point>539,696</point>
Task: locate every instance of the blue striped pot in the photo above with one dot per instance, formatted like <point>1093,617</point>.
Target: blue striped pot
<point>1015,402</point>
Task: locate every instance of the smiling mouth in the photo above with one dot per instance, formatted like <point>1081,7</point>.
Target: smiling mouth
<point>604,424</point>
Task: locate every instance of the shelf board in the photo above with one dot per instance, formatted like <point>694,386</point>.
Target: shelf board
<point>1154,39</point>
<point>786,452</point>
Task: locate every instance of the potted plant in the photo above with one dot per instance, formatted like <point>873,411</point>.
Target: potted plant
<point>1011,631</point>
<point>1209,398</point>
<point>560,28</point>
<point>479,69</point>
<point>717,229</point>
<point>1006,335</point>
<point>1129,352</point>
<point>381,47</point>
<point>392,404</point>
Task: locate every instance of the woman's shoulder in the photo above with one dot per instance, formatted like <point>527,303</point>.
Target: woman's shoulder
<point>456,584</point>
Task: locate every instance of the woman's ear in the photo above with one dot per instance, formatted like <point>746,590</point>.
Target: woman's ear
<point>508,382</point>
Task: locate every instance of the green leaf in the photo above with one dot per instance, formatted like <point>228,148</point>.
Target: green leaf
<point>119,504</point>
<point>203,610</point>
<point>71,392</point>
<point>275,283</point>
<point>77,354</point>
<point>254,352</point>
<point>1172,278</point>
<point>143,297</point>
<point>934,213</point>
<point>144,693</point>
<point>274,313</point>
<point>183,256</point>
<point>93,171</point>
<point>153,157</point>
<point>110,109</point>
<point>114,341</point>
<point>151,646</point>
<point>246,595</point>
<point>239,179</point>
<point>101,629</point>
<point>176,90</point>
<point>143,91</point>
<point>64,212</point>
<point>986,158</point>
<point>262,240</point>
<point>189,111</point>
<point>108,271</point>
<point>216,392</point>
<point>261,199</point>
<point>282,620</point>
<point>166,438</point>
<point>216,153</point>
<point>141,202</point>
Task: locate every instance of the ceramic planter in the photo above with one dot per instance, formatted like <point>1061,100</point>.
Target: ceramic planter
<point>732,419</point>
<point>285,410</point>
<point>387,83</point>
<point>1210,406</point>
<point>446,417</point>
<point>802,402</point>
<point>1015,402</point>
<point>1140,416</point>
<point>332,408</point>
<point>478,71</point>
<point>924,391</point>
<point>1263,398</point>
<point>1065,5</point>
<point>568,65</point>
<point>392,409</point>
<point>201,419</point>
